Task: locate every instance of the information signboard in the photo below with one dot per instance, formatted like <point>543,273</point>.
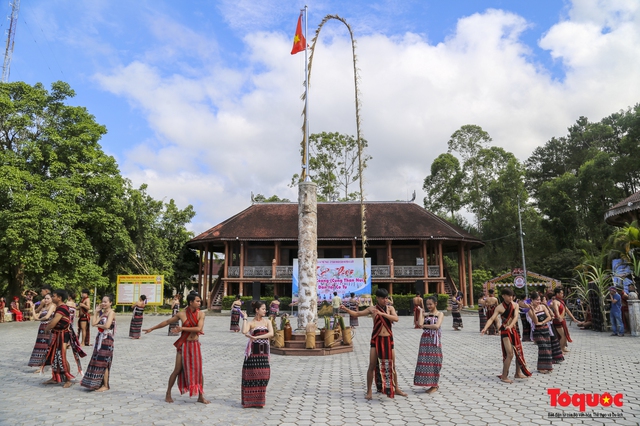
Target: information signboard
<point>129,288</point>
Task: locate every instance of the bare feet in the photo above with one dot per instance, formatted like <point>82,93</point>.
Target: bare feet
<point>202,400</point>
<point>432,390</point>
<point>565,350</point>
<point>399,392</point>
<point>520,376</point>
<point>168,398</point>
<point>505,379</point>
<point>67,384</point>
<point>102,389</point>
<point>49,382</point>
<point>368,395</point>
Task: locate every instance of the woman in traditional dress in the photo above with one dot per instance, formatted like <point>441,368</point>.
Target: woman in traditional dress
<point>274,307</point>
<point>482,310</point>
<point>430,352</point>
<point>175,308</point>
<point>3,304</point>
<point>255,369</point>
<point>235,314</point>
<point>136,322</point>
<point>455,311</point>
<point>14,308</point>
<point>44,337</point>
<point>556,351</point>
<point>27,312</point>
<point>354,305</point>
<point>97,375</point>
<point>540,318</point>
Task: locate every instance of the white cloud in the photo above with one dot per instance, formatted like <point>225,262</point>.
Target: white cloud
<point>224,133</point>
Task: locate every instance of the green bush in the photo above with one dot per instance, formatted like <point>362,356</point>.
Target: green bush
<point>443,301</point>
<point>402,302</point>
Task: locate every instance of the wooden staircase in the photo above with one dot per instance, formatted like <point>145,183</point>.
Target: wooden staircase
<point>215,298</point>
<point>296,347</point>
<point>449,285</point>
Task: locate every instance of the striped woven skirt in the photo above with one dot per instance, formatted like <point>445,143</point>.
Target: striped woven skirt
<point>41,348</point>
<point>100,362</point>
<point>353,321</point>
<point>384,377</point>
<point>541,338</point>
<point>235,320</point>
<point>429,361</point>
<point>255,378</point>
<point>191,378</point>
<point>556,351</point>
<point>457,319</point>
<point>483,318</point>
<point>526,328</point>
<point>136,326</point>
<point>27,314</point>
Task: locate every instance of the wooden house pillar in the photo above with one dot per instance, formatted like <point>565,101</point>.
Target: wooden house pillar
<point>470,273</point>
<point>441,265</point>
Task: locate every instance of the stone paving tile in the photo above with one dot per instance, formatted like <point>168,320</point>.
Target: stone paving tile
<point>332,393</point>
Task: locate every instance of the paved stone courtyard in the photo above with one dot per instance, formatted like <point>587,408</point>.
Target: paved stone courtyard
<point>333,391</point>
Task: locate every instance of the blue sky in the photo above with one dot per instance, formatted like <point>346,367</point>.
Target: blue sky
<point>202,98</point>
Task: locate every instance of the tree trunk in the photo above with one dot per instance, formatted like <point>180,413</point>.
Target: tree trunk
<point>16,280</point>
<point>307,254</point>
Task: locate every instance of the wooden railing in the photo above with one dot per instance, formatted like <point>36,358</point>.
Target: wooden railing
<point>377,271</point>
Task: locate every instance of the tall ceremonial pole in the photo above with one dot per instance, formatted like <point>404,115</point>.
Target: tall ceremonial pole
<point>307,206</point>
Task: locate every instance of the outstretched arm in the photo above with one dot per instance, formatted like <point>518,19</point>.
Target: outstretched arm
<point>165,323</point>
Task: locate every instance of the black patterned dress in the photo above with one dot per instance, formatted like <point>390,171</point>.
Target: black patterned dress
<point>256,370</point>
<point>102,356</point>
<point>429,355</point>
<point>136,322</point>
<point>455,313</point>
<point>42,341</point>
<point>542,339</point>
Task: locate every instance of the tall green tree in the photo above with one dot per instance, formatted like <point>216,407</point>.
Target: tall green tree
<point>333,165</point>
<point>444,185</point>
<point>468,142</point>
<point>60,212</point>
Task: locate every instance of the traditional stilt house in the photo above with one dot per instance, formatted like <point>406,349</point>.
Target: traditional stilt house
<point>406,245</point>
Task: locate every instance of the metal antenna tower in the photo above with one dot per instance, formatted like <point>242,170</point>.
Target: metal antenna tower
<point>11,34</point>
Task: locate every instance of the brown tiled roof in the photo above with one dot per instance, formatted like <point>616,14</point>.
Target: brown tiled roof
<point>337,221</point>
<point>621,213</point>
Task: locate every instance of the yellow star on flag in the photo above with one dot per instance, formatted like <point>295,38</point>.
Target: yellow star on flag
<point>296,38</point>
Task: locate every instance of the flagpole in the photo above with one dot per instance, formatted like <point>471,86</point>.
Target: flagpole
<point>306,98</point>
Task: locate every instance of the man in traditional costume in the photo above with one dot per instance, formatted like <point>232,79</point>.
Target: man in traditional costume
<point>511,345</point>
<point>382,354</point>
<point>188,367</point>
<point>62,336</point>
<point>490,305</point>
<point>84,318</point>
<point>560,310</point>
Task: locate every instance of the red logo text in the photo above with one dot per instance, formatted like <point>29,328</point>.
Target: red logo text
<point>583,400</point>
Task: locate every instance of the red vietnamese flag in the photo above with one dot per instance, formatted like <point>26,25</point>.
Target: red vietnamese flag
<point>299,42</point>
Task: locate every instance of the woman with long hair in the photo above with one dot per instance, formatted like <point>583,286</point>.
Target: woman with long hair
<point>255,369</point>
<point>236,312</point>
<point>97,375</point>
<point>136,322</point>
<point>354,305</point>
<point>44,337</point>
<point>28,313</point>
<point>430,352</point>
